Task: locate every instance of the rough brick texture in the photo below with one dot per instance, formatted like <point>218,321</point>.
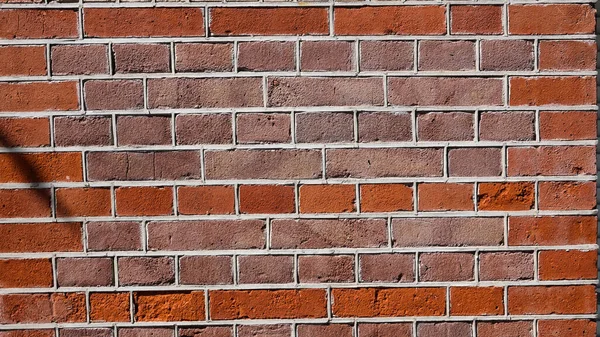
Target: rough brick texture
<point>298,168</point>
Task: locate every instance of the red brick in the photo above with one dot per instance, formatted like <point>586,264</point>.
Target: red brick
<point>386,55</point>
<point>26,273</point>
<point>444,91</point>
<point>563,327</point>
<point>267,304</point>
<point>169,306</point>
<point>567,55</point>
<point>266,269</point>
<point>476,20</point>
<point>208,235</point>
<point>141,58</point>
<point>109,307</point>
<point>50,237</point>
<point>93,332</point>
<point>475,162</point>
<point>87,201</point>
<point>139,201</point>
<point>507,126</point>
<point>144,130</point>
<point>189,93</point>
<point>327,198</point>
<point>327,56</point>
<point>199,270</point>
<point>113,94</point>
<point>389,302</point>
<point>551,19</point>
<point>506,55</point>
<point>505,328</point>
<point>269,21</point>
<point>79,59</point>
<point>25,23</point>
<point>263,128</point>
<point>203,129</point>
<point>440,267</point>
<point>447,232</point>
<point>329,91</point>
<point>38,96</point>
<point>83,131</point>
<point>27,333</point>
<point>263,164</point>
<point>143,22</point>
<point>545,300</point>
<point>387,268</point>
<point>384,162</point>
<point>390,20</point>
<point>25,132</point>
<point>40,167</point>
<point>203,57</point>
<point>509,196</point>
<point>446,55</point>
<point>551,230</point>
<point>385,330</point>
<point>267,56</point>
<point>445,126</point>
<point>386,197</point>
<point>25,203</point>
<point>325,330</point>
<point>218,199</point>
<point>506,266</point>
<point>566,90</point>
<point>384,127</point>
<point>568,265</point>
<point>312,234</point>
<point>325,268</point>
<point>207,330</point>
<point>476,301</point>
<point>84,272</point>
<point>43,308</point>
<point>23,60</point>
<point>568,195</point>
<point>568,125</point>
<point>114,236</point>
<point>324,127</point>
<point>146,271</point>
<point>447,329</point>
<point>271,330</point>
<point>551,160</point>
<point>445,197</point>
<point>267,199</point>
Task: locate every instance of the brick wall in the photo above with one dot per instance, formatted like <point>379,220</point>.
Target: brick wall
<point>271,169</point>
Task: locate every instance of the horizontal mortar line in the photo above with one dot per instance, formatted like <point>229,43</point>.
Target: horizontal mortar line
<point>299,321</point>
<point>320,251</point>
<point>241,38</point>
<point>293,74</point>
<point>294,216</point>
<point>339,108</point>
<point>289,286</point>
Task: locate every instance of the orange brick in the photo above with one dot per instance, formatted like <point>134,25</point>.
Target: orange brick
<point>269,21</point>
<point>390,20</point>
<point>206,199</point>
<point>144,200</point>
<point>568,125</point>
<point>23,60</point>
<point>551,160</point>
<point>567,55</point>
<point>563,327</point>
<point>476,301</point>
<point>268,304</point>
<point>568,265</point>
<point>109,307</point>
<point>83,202</point>
<point>510,196</point>
<point>40,167</point>
<point>551,19</point>
<point>389,302</point>
<point>567,195</point>
<point>38,23</point>
<point>267,199</point>
<point>25,203</point>
<point>38,96</point>
<point>24,132</point>
<point>169,306</point>
<point>541,300</point>
<point>445,197</point>
<point>552,230</point>
<point>327,198</point>
<point>25,273</point>
<point>476,20</point>
<point>50,237</point>
<point>386,197</point>
<point>566,90</point>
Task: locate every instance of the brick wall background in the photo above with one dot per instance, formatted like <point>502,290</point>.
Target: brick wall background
<point>271,169</point>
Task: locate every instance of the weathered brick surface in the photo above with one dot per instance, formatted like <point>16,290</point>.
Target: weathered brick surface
<point>297,169</point>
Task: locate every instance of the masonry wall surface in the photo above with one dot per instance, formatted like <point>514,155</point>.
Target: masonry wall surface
<point>298,169</point>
